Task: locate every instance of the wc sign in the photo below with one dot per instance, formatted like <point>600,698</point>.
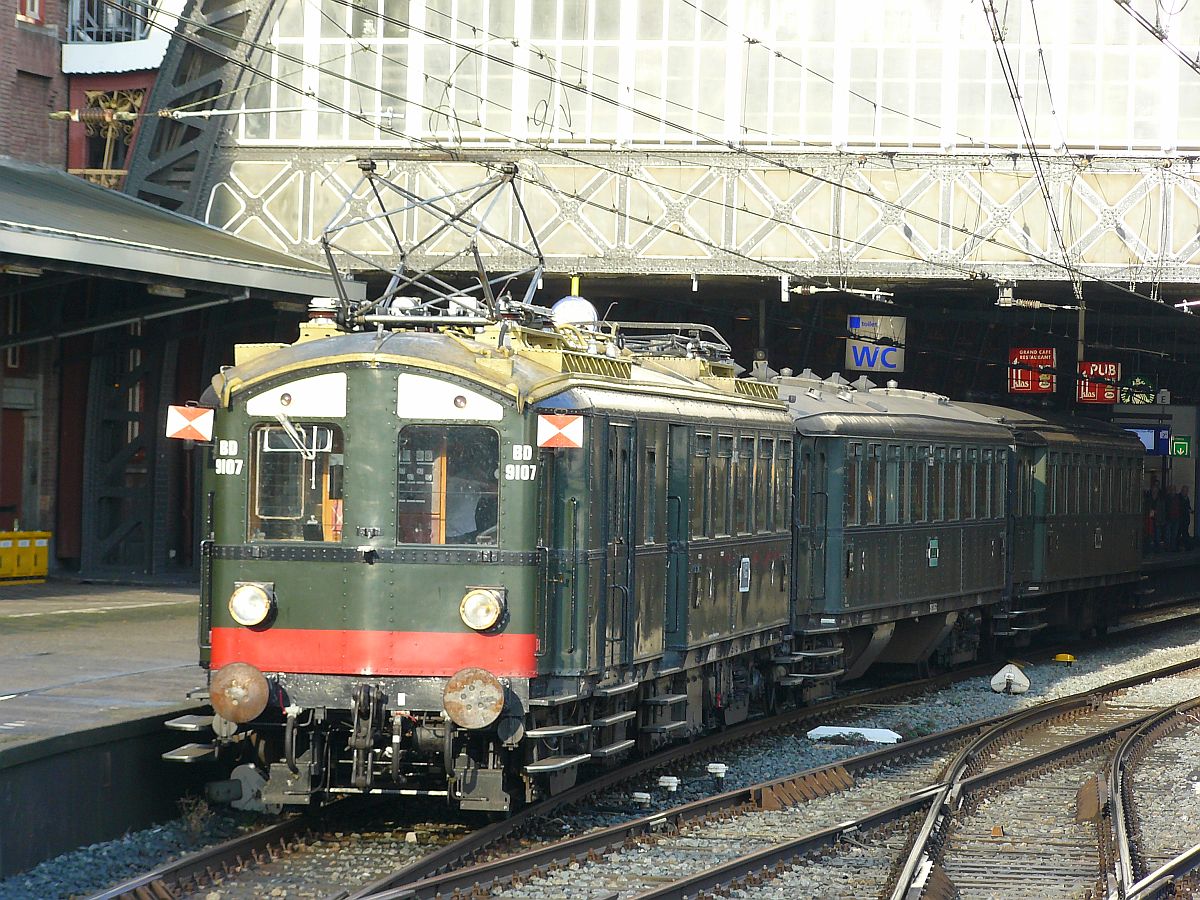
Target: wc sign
<point>875,343</point>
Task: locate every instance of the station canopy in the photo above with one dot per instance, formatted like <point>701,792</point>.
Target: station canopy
<point>51,219</point>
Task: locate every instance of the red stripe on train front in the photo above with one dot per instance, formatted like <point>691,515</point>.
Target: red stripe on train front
<point>328,652</point>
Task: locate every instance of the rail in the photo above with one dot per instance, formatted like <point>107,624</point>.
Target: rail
<point>438,877</point>
<point>1120,785</point>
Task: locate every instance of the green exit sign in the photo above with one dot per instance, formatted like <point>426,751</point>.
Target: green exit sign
<point>1181,446</point>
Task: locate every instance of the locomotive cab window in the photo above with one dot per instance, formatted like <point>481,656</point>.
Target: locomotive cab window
<point>296,483</point>
<point>447,484</point>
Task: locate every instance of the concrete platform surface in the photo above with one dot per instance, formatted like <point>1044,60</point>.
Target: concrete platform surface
<point>75,656</point>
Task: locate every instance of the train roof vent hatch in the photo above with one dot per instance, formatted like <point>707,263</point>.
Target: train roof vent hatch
<point>863,384</point>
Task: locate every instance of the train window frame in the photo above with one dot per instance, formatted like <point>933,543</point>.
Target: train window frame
<point>820,511</point>
<point>783,484</point>
<point>978,502</point>
<point>986,461</point>
<point>919,484</point>
<point>937,495</point>
<point>1057,488</point>
<point>952,492</point>
<point>1086,473</point>
<point>649,480</point>
<point>854,452</point>
<point>722,475</point>
<point>872,493</point>
<point>893,477</point>
<point>318,521</point>
<point>804,488</point>
<point>698,487</point>
<point>743,475</point>
<point>480,491</point>
<point>764,481</point>
<point>999,482</point>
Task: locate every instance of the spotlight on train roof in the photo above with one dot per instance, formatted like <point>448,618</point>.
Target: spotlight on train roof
<point>573,310</point>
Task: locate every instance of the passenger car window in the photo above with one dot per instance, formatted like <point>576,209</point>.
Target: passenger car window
<point>296,483</point>
<point>744,495</point>
<point>872,501</point>
<point>721,470</point>
<point>783,486</point>
<point>447,484</point>
<point>763,479</point>
<point>853,461</point>
<point>699,485</point>
<point>936,479</point>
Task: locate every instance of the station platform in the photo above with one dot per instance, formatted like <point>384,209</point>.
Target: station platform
<point>1180,559</point>
<point>76,656</point>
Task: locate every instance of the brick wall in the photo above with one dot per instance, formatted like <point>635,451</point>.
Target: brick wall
<point>32,84</point>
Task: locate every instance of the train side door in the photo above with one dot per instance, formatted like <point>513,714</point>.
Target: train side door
<point>618,601</point>
<point>677,592</point>
<point>802,521</point>
<point>818,518</point>
<point>563,516</point>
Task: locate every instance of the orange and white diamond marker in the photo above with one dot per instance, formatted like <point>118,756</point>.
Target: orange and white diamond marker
<point>560,431</point>
<point>190,423</point>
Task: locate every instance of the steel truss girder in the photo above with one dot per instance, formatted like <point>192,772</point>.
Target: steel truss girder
<point>1127,220</point>
<point>823,215</point>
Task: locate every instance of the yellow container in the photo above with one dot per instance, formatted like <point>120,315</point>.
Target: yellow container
<point>8,555</point>
<point>24,556</point>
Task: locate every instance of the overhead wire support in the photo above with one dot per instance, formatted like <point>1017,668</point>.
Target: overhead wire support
<point>1160,35</point>
<point>1014,90</point>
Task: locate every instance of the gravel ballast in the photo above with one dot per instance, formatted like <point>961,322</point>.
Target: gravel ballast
<point>91,869</point>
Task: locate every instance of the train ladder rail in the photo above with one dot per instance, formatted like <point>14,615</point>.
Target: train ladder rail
<point>1128,862</point>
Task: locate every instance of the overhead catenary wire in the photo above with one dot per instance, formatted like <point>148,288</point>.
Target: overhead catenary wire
<point>453,154</point>
<point>1076,275</point>
<point>1160,34</point>
<point>1014,91</point>
<point>958,269</point>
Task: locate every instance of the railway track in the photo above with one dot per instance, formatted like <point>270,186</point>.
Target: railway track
<point>192,872</point>
<point>1149,779</point>
<point>732,839</point>
<point>1011,828</point>
<point>282,838</point>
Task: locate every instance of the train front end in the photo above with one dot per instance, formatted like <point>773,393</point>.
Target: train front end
<point>369,570</point>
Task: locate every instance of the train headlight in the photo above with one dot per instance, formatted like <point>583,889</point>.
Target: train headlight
<point>482,608</point>
<point>250,604</point>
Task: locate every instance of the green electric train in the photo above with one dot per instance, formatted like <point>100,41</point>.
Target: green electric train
<point>477,560</point>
